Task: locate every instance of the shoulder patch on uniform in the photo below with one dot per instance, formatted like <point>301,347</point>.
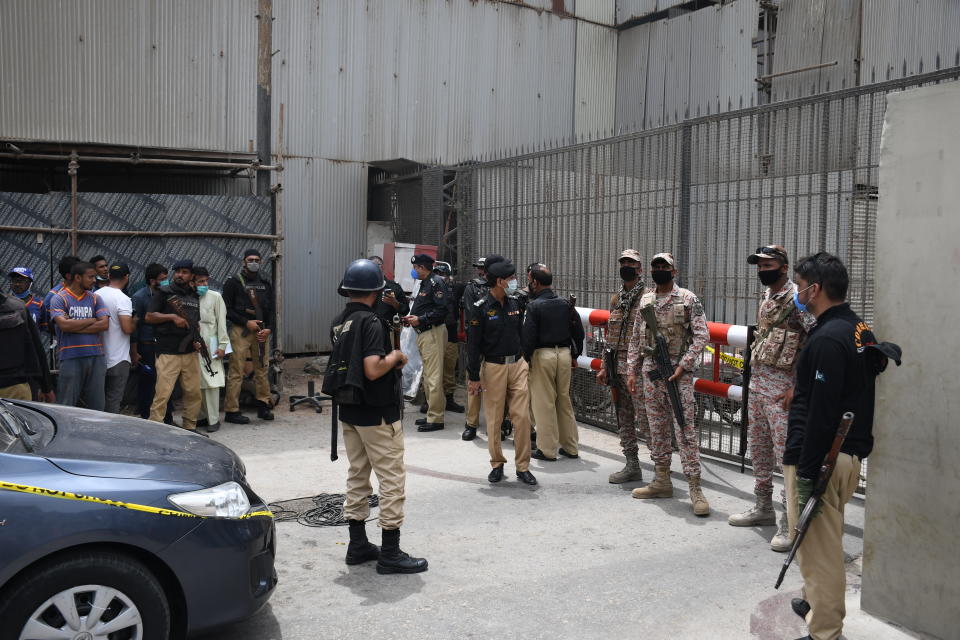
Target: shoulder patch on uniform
<point>819,377</point>
<point>478,302</point>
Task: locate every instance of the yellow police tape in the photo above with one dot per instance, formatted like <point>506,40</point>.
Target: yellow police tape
<point>66,495</point>
<point>733,361</point>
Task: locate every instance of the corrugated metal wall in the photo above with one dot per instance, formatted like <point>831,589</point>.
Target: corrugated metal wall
<point>135,72</point>
<point>908,37</point>
<point>697,64</point>
<point>596,80</point>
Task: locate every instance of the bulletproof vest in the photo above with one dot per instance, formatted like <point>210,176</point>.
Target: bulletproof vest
<point>777,345</point>
<point>258,287</point>
<point>191,306</point>
<point>673,320</point>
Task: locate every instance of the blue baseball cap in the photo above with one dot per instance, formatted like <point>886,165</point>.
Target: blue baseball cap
<point>22,271</point>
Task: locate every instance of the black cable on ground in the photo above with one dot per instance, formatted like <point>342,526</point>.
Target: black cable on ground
<point>323,510</point>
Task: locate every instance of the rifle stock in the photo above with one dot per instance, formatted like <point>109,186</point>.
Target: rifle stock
<point>823,478</point>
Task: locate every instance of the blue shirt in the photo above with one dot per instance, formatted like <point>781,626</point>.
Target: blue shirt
<point>141,300</point>
<point>66,305</point>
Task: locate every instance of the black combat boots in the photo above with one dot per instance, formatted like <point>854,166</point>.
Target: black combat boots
<point>393,560</point>
<point>360,549</point>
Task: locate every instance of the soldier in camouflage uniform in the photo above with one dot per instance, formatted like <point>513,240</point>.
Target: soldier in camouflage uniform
<point>631,412</point>
<point>781,333</point>
<point>682,322</point>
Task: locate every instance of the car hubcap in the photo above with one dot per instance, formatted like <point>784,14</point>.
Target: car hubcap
<point>90,612</point>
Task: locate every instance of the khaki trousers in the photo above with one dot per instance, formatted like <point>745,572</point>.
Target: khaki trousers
<point>820,556</point>
<point>451,352</point>
<point>170,367</point>
<point>507,384</point>
<point>244,346</point>
<point>17,392</point>
<point>432,345</point>
<point>550,395</point>
<point>473,409</point>
<point>379,449</point>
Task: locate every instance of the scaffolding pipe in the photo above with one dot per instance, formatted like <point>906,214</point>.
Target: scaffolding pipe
<point>209,164</point>
<point>72,168</point>
<point>135,233</point>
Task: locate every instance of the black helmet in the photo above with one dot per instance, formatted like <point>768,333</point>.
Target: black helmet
<point>361,275</point>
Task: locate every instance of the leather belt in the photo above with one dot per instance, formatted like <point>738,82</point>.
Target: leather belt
<point>565,345</point>
<point>502,359</point>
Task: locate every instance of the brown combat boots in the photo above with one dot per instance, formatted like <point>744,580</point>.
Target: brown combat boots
<point>661,487</point>
<point>700,505</point>
<point>630,473</point>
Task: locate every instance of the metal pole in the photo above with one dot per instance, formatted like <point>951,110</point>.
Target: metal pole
<point>209,164</point>
<point>141,234</point>
<point>264,68</point>
<point>72,167</point>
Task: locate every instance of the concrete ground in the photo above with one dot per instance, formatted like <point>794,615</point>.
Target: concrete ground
<point>574,557</point>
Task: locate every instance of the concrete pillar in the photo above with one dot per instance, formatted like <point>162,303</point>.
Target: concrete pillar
<point>911,564</point>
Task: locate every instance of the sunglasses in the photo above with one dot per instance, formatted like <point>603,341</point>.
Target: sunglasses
<point>771,250</point>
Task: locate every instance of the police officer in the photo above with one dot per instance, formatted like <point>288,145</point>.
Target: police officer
<point>630,408</point>
<point>548,332</point>
<point>428,318</point>
<point>392,301</point>
<point>836,372</point>
<point>451,351</point>
<point>781,332</point>
<point>681,320</point>
<point>494,336</point>
<point>176,352</point>
<point>364,360</point>
<point>247,334</point>
<point>475,290</point>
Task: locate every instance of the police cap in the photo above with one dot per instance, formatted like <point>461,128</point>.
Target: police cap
<point>501,269</point>
<point>423,260</point>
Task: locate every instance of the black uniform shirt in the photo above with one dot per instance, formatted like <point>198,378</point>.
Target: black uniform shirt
<point>387,312</point>
<point>430,305</point>
<point>237,299</point>
<point>493,330</point>
<point>832,377</point>
<point>381,397</point>
<point>475,289</point>
<point>548,323</point>
<point>172,339</point>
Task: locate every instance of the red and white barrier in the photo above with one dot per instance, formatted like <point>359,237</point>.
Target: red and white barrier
<point>734,335</point>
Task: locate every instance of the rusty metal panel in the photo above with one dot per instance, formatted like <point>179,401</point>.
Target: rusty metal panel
<point>136,72</point>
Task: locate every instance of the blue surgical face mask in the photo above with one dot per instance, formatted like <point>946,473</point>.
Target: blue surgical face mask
<point>414,274</point>
<point>512,286</point>
<point>202,290</point>
<point>164,283</point>
<point>802,308</point>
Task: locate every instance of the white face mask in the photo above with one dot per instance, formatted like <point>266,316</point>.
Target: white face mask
<point>512,286</point>
<point>253,267</point>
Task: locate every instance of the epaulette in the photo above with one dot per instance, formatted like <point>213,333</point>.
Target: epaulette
<point>480,301</point>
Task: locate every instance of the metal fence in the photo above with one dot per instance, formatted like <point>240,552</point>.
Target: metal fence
<point>803,174</point>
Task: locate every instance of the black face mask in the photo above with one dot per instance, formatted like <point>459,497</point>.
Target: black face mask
<point>769,276</point>
<point>628,273</point>
<point>661,277</point>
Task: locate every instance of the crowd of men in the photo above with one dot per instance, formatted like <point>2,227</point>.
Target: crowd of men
<point>173,331</point>
<point>813,360</point>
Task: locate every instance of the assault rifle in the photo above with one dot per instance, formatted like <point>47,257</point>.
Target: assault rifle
<point>816,496</point>
<point>261,346</point>
<point>664,367</point>
<point>194,335</point>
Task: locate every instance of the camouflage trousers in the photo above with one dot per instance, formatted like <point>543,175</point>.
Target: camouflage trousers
<point>661,420</point>
<point>768,436</point>
<point>631,417</point>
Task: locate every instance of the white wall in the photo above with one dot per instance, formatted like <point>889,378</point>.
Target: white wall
<point>911,566</point>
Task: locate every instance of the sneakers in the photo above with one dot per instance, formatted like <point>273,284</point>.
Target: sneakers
<point>761,515</point>
<point>661,487</point>
<point>631,472</point>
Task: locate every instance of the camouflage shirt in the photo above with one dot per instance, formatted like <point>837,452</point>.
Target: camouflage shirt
<point>617,325</point>
<point>681,319</point>
<point>781,347</point>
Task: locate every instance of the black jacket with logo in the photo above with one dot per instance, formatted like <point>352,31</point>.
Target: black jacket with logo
<point>172,339</point>
<point>833,376</point>
<point>239,307</point>
<point>430,305</point>
<point>493,330</point>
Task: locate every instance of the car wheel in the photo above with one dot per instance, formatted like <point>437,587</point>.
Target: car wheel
<point>90,595</point>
